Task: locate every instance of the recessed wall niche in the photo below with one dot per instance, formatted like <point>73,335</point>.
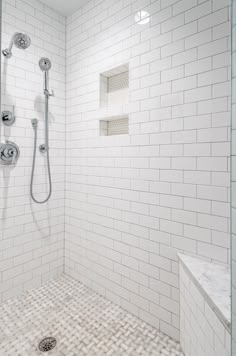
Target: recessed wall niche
<point>114,86</point>
<point>114,126</point>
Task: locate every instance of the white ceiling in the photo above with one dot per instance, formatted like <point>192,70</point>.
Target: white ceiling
<point>64,7</point>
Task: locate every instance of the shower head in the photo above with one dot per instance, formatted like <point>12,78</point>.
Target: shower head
<point>45,64</point>
<point>20,40</point>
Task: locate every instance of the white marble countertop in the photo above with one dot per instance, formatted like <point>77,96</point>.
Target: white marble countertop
<point>213,281</point>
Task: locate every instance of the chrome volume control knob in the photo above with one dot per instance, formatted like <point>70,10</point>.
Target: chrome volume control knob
<point>8,118</point>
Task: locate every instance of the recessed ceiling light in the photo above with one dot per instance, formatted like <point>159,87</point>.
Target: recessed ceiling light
<point>142,17</point>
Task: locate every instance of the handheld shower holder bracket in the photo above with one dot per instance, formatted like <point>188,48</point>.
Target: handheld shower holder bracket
<point>43,148</point>
<point>48,94</point>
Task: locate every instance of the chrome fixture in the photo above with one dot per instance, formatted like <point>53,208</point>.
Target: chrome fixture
<point>45,66</point>
<point>9,153</point>
<point>8,117</point>
<point>34,123</point>
<point>20,40</point>
<point>35,128</point>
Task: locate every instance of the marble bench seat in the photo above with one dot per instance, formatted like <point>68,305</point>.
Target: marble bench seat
<point>205,316</point>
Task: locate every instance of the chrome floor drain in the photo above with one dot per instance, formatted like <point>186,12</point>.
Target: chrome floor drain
<point>47,344</point>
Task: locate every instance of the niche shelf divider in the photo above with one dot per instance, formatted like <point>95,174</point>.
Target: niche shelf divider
<point>113,126</point>
<point>114,92</point>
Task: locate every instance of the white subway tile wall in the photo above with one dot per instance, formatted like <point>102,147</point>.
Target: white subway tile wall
<point>202,332</point>
<point>133,202</point>
<point>32,236</point>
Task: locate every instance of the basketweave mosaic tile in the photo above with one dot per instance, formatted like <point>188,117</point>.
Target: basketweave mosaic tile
<point>81,321</point>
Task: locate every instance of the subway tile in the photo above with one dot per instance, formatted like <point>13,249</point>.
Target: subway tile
<point>123,205</point>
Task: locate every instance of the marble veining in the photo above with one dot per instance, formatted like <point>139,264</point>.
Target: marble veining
<point>213,281</point>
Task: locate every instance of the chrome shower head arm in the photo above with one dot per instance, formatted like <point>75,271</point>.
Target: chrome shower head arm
<point>7,52</point>
<point>11,44</point>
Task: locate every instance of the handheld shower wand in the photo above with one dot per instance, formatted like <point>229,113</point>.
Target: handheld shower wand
<point>45,66</point>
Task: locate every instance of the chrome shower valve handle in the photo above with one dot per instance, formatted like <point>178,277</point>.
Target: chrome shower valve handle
<point>9,153</point>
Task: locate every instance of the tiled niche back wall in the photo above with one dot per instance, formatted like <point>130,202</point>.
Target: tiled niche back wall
<point>31,235</point>
<point>134,201</point>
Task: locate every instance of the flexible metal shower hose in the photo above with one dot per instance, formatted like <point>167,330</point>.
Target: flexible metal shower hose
<point>35,127</point>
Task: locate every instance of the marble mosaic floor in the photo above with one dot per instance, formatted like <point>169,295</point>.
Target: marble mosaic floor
<point>83,323</point>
